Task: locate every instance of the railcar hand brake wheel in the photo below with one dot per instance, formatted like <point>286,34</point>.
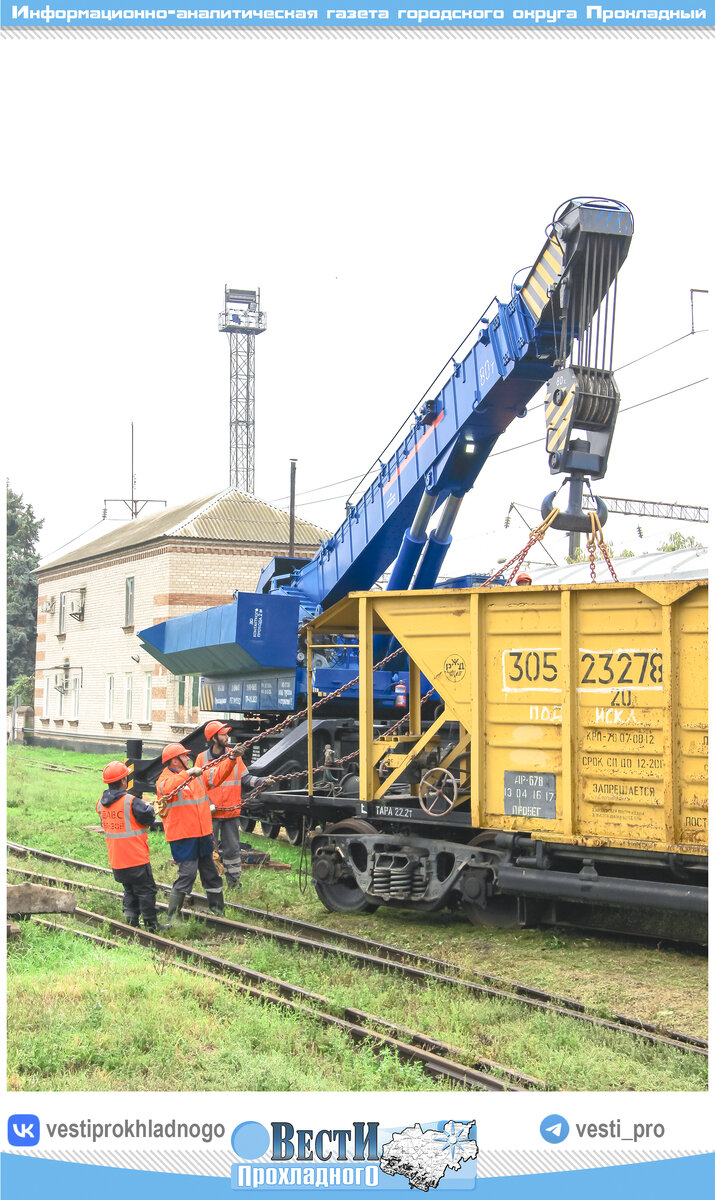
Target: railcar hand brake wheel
<point>437,792</point>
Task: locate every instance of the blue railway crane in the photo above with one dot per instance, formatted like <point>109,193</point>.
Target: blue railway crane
<point>555,329</point>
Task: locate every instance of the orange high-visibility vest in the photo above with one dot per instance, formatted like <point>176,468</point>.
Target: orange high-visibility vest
<point>189,812</point>
<point>127,841</point>
<point>225,796</point>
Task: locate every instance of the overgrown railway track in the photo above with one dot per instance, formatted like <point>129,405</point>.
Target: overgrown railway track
<point>437,1058</point>
<point>370,954</point>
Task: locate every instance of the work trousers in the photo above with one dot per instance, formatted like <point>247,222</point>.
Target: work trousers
<point>206,868</point>
<point>139,894</point>
<point>227,837</point>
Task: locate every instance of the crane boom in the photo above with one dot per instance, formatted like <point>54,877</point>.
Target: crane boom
<point>556,328</point>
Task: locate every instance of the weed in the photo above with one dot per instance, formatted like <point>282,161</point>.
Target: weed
<point>85,1017</point>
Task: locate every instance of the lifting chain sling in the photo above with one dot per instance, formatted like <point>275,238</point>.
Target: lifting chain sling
<point>535,536</point>
<point>161,806</point>
<point>595,539</point>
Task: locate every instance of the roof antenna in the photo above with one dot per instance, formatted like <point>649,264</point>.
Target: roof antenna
<point>135,506</point>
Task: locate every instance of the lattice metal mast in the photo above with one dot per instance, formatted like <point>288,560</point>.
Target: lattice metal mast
<point>242,319</point>
<point>651,508</point>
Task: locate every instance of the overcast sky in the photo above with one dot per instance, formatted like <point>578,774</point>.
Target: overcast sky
<point>379,192</point>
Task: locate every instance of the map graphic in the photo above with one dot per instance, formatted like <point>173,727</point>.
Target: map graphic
<point>423,1155</point>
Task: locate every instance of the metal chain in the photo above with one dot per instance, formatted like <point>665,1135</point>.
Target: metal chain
<point>591,543</point>
<point>595,539</point>
<point>535,536</point>
<point>338,762</point>
<point>161,802</point>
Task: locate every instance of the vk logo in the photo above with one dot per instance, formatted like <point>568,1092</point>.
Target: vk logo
<point>554,1128</point>
<point>23,1129</point>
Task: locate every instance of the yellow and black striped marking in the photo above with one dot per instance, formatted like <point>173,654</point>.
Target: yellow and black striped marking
<point>545,273</point>
<point>558,420</point>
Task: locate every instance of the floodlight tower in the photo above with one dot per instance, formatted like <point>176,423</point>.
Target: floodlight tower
<point>242,319</point>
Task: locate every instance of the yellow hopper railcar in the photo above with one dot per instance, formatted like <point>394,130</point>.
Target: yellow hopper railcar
<point>563,778</point>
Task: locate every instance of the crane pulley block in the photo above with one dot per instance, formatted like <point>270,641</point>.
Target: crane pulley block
<point>578,399</point>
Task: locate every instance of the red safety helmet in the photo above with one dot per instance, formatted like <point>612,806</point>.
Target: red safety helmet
<point>114,771</point>
<point>173,750</point>
<point>214,728</point>
<point>523,579</point>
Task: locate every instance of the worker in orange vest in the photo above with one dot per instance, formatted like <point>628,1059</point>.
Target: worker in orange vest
<point>187,825</point>
<point>225,797</point>
<point>125,822</point>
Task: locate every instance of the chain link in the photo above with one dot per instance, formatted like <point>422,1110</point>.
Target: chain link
<point>161,803</point>
<point>535,536</point>
<point>595,539</point>
<point>338,762</point>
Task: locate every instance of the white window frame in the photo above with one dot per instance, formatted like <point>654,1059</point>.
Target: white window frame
<point>62,613</point>
<point>148,684</point>
<point>46,697</point>
<point>74,693</point>
<point>109,684</point>
<point>128,697</point>
<point>129,596</point>
<point>59,683</point>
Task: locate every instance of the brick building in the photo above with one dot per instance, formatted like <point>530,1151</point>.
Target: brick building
<point>94,685</point>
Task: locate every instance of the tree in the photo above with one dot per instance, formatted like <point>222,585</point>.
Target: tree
<point>580,555</point>
<point>680,541</point>
<point>22,559</point>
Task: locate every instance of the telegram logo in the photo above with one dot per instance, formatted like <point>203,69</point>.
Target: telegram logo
<point>554,1129</point>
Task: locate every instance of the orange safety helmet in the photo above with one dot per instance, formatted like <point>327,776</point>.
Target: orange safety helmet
<point>114,771</point>
<point>173,750</point>
<point>214,728</point>
<point>523,579</point>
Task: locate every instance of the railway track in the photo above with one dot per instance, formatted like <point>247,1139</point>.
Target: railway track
<point>366,953</point>
<point>438,1059</point>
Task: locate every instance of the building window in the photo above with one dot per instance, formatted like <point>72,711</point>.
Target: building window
<point>46,698</point>
<point>195,692</point>
<point>182,690</point>
<point>62,613</point>
<point>129,600</point>
<point>127,698</point>
<point>60,689</point>
<point>147,695</point>
<point>75,698</point>
<point>109,698</point>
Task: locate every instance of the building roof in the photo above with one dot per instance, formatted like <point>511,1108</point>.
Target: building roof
<point>665,564</point>
<point>227,516</point>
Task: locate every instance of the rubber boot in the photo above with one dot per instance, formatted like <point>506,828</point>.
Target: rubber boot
<point>215,900</point>
<point>176,899</point>
<point>154,926</point>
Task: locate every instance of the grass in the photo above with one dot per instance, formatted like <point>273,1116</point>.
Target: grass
<point>49,810</point>
<point>83,1017</point>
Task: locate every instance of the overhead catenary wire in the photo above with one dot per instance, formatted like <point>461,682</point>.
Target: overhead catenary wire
<point>626,408</point>
<point>494,454</point>
<point>530,412</point>
<point>534,441</point>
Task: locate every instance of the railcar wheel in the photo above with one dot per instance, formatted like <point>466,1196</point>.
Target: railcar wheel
<point>246,824</point>
<point>344,895</point>
<point>293,833</point>
<point>270,830</point>
<point>500,913</point>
